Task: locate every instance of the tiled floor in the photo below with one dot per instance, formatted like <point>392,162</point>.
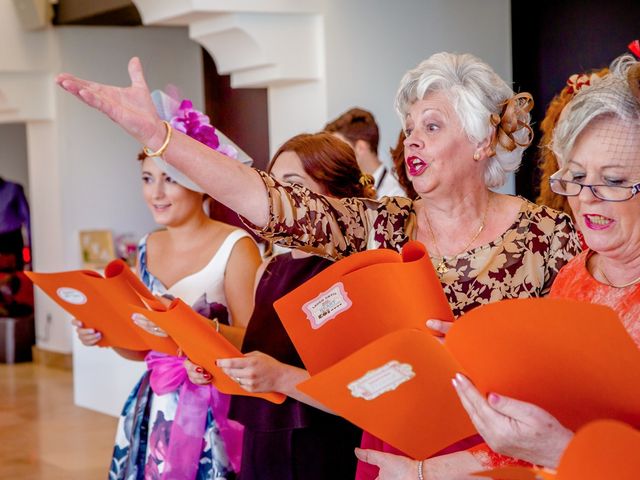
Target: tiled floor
<point>43,435</point>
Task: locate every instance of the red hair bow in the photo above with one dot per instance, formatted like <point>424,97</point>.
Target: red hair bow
<point>635,48</point>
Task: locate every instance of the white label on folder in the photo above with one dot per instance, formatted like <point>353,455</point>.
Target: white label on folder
<point>326,306</point>
<point>381,380</point>
<point>71,295</point>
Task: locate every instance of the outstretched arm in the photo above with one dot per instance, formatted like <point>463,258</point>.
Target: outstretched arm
<point>228,181</point>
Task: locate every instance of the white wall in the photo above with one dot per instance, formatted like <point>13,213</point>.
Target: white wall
<point>91,180</point>
<point>13,154</point>
<point>82,169</point>
<point>370,44</point>
<point>97,160</point>
<point>82,172</point>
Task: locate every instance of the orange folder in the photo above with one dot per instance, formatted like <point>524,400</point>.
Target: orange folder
<point>107,304</point>
<point>360,299</point>
<point>103,303</point>
<point>197,338</point>
<point>603,449</point>
<point>385,373</point>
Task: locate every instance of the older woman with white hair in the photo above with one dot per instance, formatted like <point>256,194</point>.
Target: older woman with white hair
<point>465,130</point>
<point>597,143</point>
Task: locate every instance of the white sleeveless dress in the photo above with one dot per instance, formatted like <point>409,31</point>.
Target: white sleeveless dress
<point>145,423</point>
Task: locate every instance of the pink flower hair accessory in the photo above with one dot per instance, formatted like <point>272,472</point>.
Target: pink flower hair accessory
<point>183,117</point>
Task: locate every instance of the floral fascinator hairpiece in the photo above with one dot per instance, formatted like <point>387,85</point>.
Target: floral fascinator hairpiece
<point>190,121</point>
<point>578,80</point>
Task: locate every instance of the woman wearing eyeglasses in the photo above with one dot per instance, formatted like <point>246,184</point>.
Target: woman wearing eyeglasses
<point>597,142</point>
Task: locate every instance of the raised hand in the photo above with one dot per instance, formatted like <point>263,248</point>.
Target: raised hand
<point>88,336</point>
<point>130,107</point>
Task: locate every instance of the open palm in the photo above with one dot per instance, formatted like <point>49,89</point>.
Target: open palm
<point>130,107</point>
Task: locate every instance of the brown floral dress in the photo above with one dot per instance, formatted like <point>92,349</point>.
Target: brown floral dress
<point>522,262</point>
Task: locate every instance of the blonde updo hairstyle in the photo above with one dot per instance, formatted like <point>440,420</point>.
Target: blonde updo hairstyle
<point>479,97</point>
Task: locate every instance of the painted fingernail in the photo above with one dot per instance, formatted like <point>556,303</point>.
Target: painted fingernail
<point>494,398</point>
<point>460,378</point>
<point>454,383</point>
<point>199,369</point>
<point>433,324</point>
<point>206,375</point>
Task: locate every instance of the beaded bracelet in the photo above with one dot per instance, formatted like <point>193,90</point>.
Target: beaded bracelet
<point>420,473</point>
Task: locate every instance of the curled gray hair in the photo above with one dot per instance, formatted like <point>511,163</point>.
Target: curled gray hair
<point>477,93</point>
<point>609,97</point>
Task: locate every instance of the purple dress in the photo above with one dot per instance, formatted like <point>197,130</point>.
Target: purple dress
<point>292,440</point>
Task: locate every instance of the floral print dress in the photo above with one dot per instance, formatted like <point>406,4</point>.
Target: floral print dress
<point>522,262</point>
<point>143,434</point>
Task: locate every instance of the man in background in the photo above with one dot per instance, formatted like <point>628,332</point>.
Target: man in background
<point>359,129</point>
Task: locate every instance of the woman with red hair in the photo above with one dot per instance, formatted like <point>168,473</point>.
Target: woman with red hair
<point>292,440</point>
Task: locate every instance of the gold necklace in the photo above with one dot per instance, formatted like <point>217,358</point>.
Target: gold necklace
<point>442,268</point>
<point>604,275</point>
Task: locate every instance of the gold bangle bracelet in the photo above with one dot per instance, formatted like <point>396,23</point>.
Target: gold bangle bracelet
<point>150,153</point>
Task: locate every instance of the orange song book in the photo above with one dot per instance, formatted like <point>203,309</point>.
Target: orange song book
<point>107,304</point>
<point>360,299</point>
<point>379,367</point>
<point>601,450</point>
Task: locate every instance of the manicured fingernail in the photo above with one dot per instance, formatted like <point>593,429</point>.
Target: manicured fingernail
<point>454,383</point>
<point>433,324</point>
<point>460,378</point>
<point>206,375</point>
<point>494,398</point>
<point>199,369</point>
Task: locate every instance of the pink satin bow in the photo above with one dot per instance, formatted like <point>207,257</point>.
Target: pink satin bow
<point>185,442</point>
